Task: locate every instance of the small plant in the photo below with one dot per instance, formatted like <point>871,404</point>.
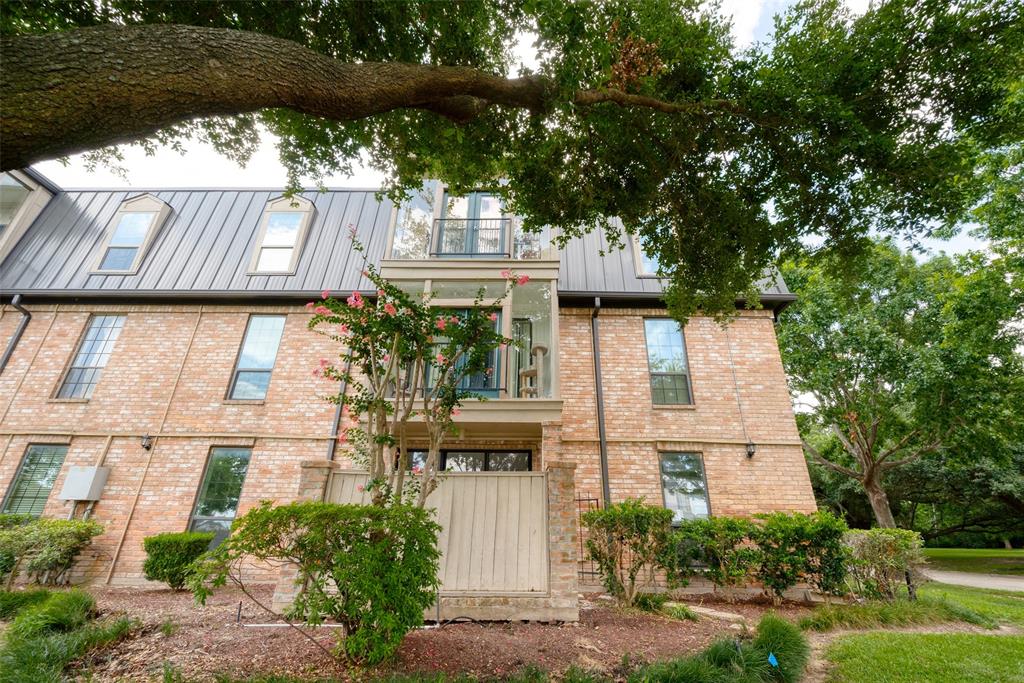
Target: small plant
<point>169,557</point>
<point>899,612</point>
<point>45,549</point>
<point>168,628</point>
<point>882,559</point>
<point>370,568</point>
<point>626,540</point>
<point>650,602</point>
<point>680,612</point>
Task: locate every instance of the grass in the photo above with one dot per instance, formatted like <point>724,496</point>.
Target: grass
<point>925,610</point>
<point>680,612</point>
<point>981,560</point>
<point>1001,606</point>
<point>936,658</point>
<point>11,602</point>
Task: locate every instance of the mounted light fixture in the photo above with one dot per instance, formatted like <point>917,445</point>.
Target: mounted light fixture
<point>751,449</point>
<point>146,442</point>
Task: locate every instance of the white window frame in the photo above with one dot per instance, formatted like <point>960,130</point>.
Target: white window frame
<point>283,205</point>
<point>145,203</point>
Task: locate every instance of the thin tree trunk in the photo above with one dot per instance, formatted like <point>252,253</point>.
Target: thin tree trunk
<point>879,501</point>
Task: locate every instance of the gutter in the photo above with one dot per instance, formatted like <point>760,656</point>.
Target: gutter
<point>26,316</point>
<point>332,445</point>
<point>598,386</point>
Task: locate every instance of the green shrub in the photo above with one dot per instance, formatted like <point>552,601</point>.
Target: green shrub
<point>45,549</point>
<point>650,602</point>
<point>61,611</point>
<point>827,554</point>
<point>371,569</point>
<point>626,541</point>
<point>880,560</point>
<point>169,557</point>
<point>794,547</point>
<point>12,602</point>
<point>42,659</point>
<point>716,548</point>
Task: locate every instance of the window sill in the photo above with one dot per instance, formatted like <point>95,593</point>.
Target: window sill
<point>245,401</point>
<point>67,400</point>
<point>673,406</point>
<point>276,273</point>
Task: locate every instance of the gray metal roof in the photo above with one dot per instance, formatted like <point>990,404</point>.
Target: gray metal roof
<point>206,244</point>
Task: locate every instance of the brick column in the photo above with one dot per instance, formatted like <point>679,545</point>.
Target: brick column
<point>563,538</point>
<point>313,477</point>
<point>550,444</point>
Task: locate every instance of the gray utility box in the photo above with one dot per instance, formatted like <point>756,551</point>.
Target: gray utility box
<point>84,483</point>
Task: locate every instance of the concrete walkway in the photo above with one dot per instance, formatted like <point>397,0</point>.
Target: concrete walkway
<point>996,581</point>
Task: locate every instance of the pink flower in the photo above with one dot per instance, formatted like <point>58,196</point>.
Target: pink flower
<point>417,469</point>
<point>356,300</point>
<point>343,329</point>
<point>324,362</point>
<point>360,488</point>
<point>343,436</point>
<point>344,409</point>
<point>456,412</point>
<point>454,319</point>
<point>386,358</point>
<point>310,304</point>
<point>440,358</point>
<point>441,324</point>
<point>493,317</point>
<point>351,231</point>
<point>325,294</point>
<point>522,279</point>
<point>316,372</point>
<point>506,274</point>
<point>390,309</point>
<point>380,292</point>
<point>322,310</point>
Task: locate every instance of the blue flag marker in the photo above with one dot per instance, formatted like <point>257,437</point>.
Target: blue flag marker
<point>771,660</point>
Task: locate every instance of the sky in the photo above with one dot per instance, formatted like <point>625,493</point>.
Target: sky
<point>201,166</point>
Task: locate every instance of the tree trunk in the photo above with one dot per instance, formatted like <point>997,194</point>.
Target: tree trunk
<point>879,501</point>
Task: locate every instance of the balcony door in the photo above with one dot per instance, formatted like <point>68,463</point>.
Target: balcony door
<point>471,225</point>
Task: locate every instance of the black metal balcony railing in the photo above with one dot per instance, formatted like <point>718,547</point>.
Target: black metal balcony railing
<point>472,236</point>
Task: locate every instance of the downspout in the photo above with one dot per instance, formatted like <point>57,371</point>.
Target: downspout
<point>602,436</point>
<point>26,316</point>
<point>332,445</point>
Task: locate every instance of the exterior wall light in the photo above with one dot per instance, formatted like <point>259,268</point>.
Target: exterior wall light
<point>751,449</point>
<point>147,442</point>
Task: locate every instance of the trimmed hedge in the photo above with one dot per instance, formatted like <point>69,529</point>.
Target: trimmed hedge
<point>170,557</point>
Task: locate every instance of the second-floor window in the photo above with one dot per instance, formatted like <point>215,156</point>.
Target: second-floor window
<point>130,233</point>
<point>472,225</point>
<point>666,361</point>
<point>282,234</point>
<point>484,383</point>
<point>646,266</point>
<point>256,358</point>
<point>93,352</point>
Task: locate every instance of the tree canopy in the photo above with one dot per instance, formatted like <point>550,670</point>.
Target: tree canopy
<point>641,117</point>
<point>908,361</point>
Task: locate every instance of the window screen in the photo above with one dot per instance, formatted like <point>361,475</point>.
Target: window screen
<point>682,480</point>
<point>218,497</point>
<point>256,357</point>
<point>32,484</point>
<point>666,360</point>
<point>92,356</point>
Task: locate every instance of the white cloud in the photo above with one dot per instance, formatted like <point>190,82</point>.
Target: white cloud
<point>745,15</point>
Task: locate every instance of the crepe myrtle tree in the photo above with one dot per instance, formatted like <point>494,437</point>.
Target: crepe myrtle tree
<point>403,358</point>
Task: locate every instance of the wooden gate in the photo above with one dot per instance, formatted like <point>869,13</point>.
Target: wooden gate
<point>494,528</point>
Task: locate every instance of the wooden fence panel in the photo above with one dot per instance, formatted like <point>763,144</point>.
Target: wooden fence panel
<point>494,528</point>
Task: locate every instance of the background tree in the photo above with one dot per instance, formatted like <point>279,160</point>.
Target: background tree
<point>719,159</point>
<point>905,361</point>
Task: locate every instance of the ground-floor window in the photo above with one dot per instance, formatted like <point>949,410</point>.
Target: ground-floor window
<point>684,485</point>
<point>477,461</point>
<point>217,501</point>
<point>31,486</point>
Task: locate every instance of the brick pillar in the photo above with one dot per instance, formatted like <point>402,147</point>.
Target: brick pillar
<point>313,476</point>
<point>563,537</point>
<point>550,444</point>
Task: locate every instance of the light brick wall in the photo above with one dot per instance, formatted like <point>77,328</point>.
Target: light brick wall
<point>171,367</point>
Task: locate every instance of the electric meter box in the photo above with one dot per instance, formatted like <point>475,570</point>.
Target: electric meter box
<point>84,483</point>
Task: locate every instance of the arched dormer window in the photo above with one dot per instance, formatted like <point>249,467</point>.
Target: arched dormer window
<point>130,233</point>
<point>283,231</point>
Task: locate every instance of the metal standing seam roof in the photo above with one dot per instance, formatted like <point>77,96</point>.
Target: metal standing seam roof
<point>205,247</point>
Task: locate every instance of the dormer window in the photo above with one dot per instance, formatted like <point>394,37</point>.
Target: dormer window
<point>646,266</point>
<point>130,233</point>
<point>282,234</point>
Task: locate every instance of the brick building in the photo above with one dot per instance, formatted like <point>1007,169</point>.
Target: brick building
<point>157,340</point>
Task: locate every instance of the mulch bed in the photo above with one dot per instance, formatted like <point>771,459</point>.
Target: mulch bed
<point>200,642</point>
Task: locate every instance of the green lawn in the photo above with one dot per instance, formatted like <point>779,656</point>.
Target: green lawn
<point>1002,606</point>
<point>931,657</point>
<point>983,560</point>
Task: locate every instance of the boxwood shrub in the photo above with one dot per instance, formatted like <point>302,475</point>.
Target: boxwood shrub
<point>169,557</point>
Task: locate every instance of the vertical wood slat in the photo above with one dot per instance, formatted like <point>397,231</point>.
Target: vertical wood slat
<point>494,529</point>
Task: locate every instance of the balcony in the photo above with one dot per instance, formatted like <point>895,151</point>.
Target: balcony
<point>472,237</point>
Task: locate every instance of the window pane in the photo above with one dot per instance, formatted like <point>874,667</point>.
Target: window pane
<point>92,356</point>
<point>274,261</point>
<point>35,480</point>
<point>459,461</point>
<point>262,337</point>
<point>508,461</point>
<point>666,357</point>
<point>648,264</point>
<point>413,226</point>
<point>670,389</point>
<point>282,229</point>
<point>251,386</point>
<point>131,229</point>
<point>682,477</point>
<point>12,195</point>
<point>221,528</point>
<point>220,491</point>
<point>119,258</point>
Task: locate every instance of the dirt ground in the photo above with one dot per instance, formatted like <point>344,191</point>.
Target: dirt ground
<point>200,642</point>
